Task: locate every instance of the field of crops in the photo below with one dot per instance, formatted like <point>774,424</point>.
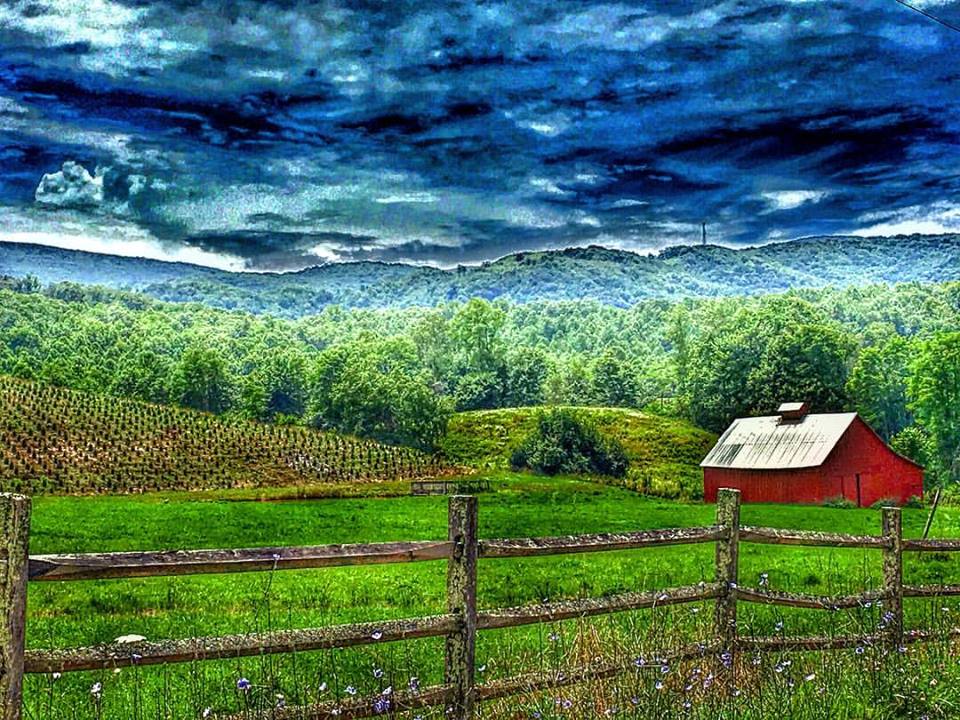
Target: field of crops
<point>54,440</point>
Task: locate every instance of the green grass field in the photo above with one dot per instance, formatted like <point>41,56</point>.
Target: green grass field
<point>80,613</point>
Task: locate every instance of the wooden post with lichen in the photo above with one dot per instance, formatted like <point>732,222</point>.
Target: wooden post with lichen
<point>462,602</point>
<point>14,561</point>
<point>728,562</point>
<point>893,574</point>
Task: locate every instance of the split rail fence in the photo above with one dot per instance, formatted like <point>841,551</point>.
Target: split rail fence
<point>462,549</point>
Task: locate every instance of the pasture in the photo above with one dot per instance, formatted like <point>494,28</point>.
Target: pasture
<point>84,613</point>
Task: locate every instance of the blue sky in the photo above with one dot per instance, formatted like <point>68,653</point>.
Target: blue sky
<point>276,134</point>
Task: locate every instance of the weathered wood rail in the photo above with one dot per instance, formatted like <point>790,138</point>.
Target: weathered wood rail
<point>461,550</point>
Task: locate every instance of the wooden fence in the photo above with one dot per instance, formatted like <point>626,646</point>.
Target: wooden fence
<point>459,625</point>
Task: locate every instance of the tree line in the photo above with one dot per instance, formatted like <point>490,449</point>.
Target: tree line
<point>890,352</point>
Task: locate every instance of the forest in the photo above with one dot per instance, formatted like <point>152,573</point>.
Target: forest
<point>614,277</point>
<point>891,352</point>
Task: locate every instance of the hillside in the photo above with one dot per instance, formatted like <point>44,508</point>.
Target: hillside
<point>664,452</point>
<point>612,277</point>
<point>62,441</point>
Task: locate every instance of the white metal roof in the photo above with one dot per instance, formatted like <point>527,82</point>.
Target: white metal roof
<point>766,443</point>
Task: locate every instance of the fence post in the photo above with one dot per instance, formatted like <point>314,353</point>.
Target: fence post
<point>728,562</point>
<point>893,574</point>
<point>14,559</point>
<point>462,602</point>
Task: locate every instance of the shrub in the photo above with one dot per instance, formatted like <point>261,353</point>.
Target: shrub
<point>565,442</point>
<point>885,502</point>
<point>839,503</point>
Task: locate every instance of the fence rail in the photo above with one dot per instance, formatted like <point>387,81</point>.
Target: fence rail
<point>460,624</point>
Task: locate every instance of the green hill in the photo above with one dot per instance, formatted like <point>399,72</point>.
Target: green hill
<point>54,440</point>
<point>664,452</point>
<point>612,277</point>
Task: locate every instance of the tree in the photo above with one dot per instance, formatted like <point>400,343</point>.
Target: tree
<point>527,370</point>
<point>878,385</point>
<point>808,362</point>
<point>934,393</point>
<point>614,383</point>
<point>475,329</point>
<point>201,380</point>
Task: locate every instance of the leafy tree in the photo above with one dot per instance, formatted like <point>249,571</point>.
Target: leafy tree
<point>479,391</point>
<point>878,385</point>
<point>476,331</point>
<point>565,442</point>
<point>201,380</point>
<point>527,370</point>
<point>934,393</point>
<point>807,362</point>
<point>614,383</point>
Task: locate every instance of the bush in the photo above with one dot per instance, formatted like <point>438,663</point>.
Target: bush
<point>839,503</point>
<point>885,502</point>
<point>565,442</point>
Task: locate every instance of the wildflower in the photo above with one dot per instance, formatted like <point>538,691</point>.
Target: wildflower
<point>381,705</point>
<point>56,676</point>
<point>377,673</point>
<point>658,685</point>
<point>243,685</point>
<point>96,690</point>
<point>207,712</point>
<point>808,678</point>
<point>553,637</point>
<point>664,668</point>
<point>414,684</point>
<point>639,662</point>
<point>351,690</point>
<point>764,579</point>
<point>377,634</point>
<point>280,700</point>
<point>859,650</point>
<point>322,687</point>
<point>779,626</point>
<point>388,690</point>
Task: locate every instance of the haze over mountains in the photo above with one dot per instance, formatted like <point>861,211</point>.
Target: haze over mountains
<point>609,276</point>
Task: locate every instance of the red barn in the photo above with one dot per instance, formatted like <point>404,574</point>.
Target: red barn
<point>797,457</point>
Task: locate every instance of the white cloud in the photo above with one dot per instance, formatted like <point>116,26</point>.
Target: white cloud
<point>937,219</point>
<point>71,187</point>
<point>790,199</point>
<point>70,230</point>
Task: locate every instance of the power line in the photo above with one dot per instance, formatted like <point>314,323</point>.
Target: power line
<point>931,16</point>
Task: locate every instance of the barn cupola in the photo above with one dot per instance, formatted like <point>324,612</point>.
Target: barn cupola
<point>793,412</point>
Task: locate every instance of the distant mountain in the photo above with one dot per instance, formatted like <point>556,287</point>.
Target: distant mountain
<point>610,276</point>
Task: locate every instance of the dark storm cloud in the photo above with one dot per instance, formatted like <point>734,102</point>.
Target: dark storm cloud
<point>276,134</point>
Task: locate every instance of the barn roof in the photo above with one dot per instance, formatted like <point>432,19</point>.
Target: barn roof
<point>768,443</point>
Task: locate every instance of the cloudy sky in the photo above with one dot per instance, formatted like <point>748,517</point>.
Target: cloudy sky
<point>276,134</point>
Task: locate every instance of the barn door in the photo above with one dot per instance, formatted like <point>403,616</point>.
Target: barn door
<point>859,495</point>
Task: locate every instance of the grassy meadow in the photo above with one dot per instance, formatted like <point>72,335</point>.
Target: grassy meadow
<point>81,613</point>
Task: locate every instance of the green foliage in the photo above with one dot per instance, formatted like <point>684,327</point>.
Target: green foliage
<point>839,503</point>
<point>934,392</point>
<point>878,383</point>
<point>565,442</point>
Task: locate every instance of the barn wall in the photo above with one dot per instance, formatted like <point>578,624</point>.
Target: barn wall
<point>883,474</point>
<point>808,485</point>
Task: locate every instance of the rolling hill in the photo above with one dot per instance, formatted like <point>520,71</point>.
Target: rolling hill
<point>664,452</point>
<point>613,277</point>
<point>57,441</point>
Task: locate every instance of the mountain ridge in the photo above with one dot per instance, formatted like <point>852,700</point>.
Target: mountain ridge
<point>607,275</point>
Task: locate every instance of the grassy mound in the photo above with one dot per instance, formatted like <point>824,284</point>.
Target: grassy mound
<point>54,440</point>
<point>664,453</point>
